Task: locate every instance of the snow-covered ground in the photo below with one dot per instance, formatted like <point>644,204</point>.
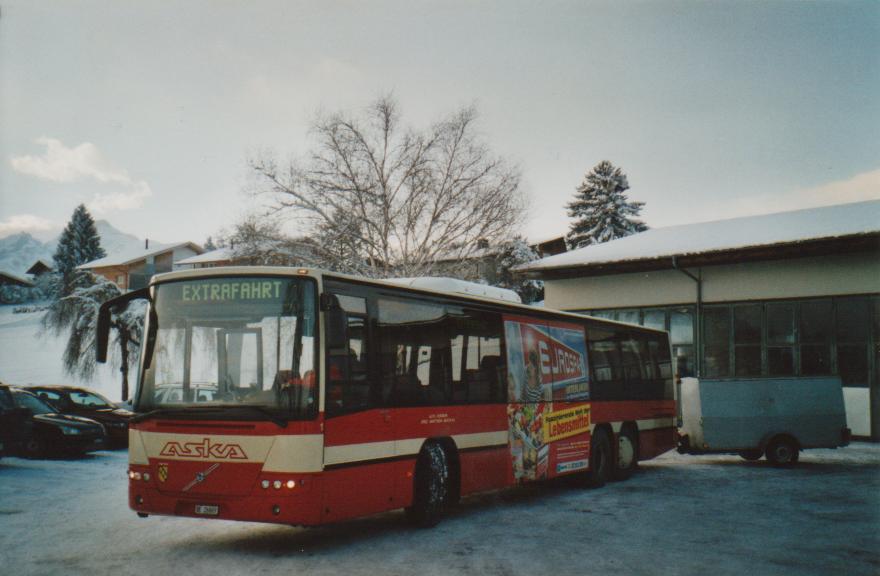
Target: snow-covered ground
<point>679,515</point>
<point>27,357</point>
<point>707,515</point>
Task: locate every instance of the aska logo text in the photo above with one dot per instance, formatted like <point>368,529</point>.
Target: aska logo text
<point>204,449</point>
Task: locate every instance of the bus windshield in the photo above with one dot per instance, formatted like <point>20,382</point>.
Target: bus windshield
<point>240,343</point>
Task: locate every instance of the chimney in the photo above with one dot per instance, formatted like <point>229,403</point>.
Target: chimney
<point>146,243</point>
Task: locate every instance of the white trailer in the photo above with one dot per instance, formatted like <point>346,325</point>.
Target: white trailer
<point>776,417</point>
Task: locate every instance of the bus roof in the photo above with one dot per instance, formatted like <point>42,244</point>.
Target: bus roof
<point>406,284</point>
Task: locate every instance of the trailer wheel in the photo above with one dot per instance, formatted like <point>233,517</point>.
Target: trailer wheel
<point>430,487</point>
<point>600,459</point>
<point>751,455</point>
<point>627,454</point>
<point>782,451</point>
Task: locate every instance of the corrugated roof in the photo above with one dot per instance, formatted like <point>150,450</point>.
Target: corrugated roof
<point>827,222</point>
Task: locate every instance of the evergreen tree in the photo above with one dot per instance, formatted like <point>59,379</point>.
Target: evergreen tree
<point>78,311</point>
<point>79,243</point>
<point>513,253</point>
<point>601,209</point>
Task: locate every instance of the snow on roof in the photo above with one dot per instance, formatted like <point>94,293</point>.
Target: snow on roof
<point>46,264</point>
<point>15,278</point>
<point>218,255</point>
<point>736,233</point>
<point>454,285</point>
<point>131,256</point>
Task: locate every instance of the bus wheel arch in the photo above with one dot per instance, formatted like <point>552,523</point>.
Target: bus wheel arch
<point>626,452</point>
<point>432,484</point>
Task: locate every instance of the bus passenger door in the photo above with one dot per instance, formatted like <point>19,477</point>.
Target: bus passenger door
<point>357,434</point>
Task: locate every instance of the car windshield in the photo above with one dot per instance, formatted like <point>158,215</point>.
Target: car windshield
<point>88,400</point>
<point>32,403</point>
<point>232,342</point>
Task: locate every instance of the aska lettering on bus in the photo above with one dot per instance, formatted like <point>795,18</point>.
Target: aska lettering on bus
<point>204,449</point>
<point>244,290</point>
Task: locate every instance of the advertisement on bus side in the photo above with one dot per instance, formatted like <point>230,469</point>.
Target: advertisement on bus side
<point>548,391</point>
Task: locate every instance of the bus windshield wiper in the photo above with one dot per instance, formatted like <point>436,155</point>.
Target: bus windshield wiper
<point>155,412</point>
<point>279,421</point>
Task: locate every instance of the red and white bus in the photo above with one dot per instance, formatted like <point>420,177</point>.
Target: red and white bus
<point>305,397</point>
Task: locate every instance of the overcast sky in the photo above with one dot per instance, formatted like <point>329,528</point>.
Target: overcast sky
<point>146,111</point>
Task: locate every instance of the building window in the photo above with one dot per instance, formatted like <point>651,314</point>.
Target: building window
<point>747,340</point>
<point>814,329</point>
<point>716,344</point>
<point>852,341</point>
<point>681,335</point>
<point>780,339</point>
<point>775,339</point>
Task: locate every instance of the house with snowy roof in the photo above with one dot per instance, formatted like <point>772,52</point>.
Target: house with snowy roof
<point>10,279</point>
<point>209,259</point>
<point>787,294</point>
<point>132,269</point>
<point>39,268</point>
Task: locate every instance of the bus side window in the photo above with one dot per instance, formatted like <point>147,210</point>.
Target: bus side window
<point>607,367</point>
<point>414,354</point>
<point>477,368</point>
<point>348,383</point>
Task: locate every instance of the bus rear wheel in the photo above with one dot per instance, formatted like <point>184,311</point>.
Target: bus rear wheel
<point>600,459</point>
<point>430,486</point>
<point>627,454</point>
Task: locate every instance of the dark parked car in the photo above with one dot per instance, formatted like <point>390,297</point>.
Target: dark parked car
<point>55,433</point>
<point>89,404</point>
<point>15,424</point>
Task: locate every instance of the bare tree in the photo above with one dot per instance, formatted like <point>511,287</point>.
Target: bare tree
<point>381,199</point>
<point>259,241</point>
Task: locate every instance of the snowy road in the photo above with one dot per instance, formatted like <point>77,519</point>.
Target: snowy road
<point>679,515</point>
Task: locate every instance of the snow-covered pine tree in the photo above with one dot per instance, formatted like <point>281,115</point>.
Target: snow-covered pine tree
<point>79,242</point>
<point>513,253</point>
<point>78,311</point>
<point>601,209</point>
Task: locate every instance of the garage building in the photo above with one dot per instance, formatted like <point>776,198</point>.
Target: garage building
<point>787,294</point>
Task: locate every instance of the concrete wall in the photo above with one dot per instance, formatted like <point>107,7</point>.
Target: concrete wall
<point>797,278</point>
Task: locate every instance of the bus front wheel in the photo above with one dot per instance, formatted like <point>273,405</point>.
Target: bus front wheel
<point>430,487</point>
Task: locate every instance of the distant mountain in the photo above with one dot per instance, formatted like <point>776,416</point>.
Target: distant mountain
<point>115,241</point>
<point>18,252</point>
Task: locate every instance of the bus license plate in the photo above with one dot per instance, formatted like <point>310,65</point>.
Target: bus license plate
<point>207,509</point>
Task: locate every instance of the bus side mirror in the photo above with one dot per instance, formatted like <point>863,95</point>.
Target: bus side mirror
<point>103,335</point>
<point>336,322</point>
